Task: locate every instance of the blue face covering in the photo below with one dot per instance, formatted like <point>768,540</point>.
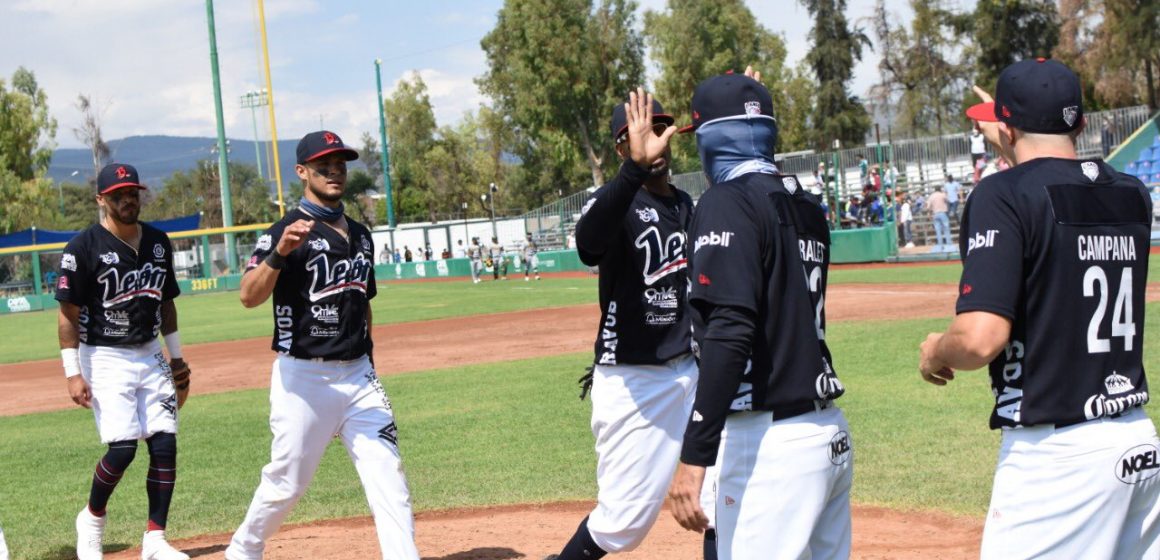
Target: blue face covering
<point>319,211</point>
<point>731,148</point>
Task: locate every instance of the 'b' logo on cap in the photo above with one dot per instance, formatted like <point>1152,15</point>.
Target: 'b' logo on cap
<point>122,173</point>
<point>330,138</point>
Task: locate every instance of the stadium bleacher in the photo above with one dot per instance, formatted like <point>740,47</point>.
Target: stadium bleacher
<point>1147,164</point>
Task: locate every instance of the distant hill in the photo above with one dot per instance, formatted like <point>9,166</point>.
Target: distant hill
<point>158,157</point>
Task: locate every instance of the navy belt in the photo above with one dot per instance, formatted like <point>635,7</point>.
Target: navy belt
<point>791,411</point>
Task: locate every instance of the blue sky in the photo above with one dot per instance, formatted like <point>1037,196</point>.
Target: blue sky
<point>146,62</point>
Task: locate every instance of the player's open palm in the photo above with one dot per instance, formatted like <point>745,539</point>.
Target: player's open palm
<point>645,145</point>
<point>294,236</point>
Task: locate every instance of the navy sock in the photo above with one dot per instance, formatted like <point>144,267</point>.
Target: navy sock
<point>581,546</point>
<point>108,473</point>
<point>710,544</point>
<point>161,478</point>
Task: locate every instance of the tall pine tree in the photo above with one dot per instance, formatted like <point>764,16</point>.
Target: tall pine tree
<point>834,50</point>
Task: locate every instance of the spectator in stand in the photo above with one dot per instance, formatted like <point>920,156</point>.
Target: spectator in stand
<point>1107,136</point>
<point>385,255</point>
<point>863,171</point>
<point>446,254</point>
<point>952,188</point>
<point>398,257</point>
<point>918,204</point>
<point>407,256</point>
<point>905,217</point>
<point>938,206</point>
<point>820,176</point>
<point>889,176</point>
<point>460,251</point>
<point>876,178</point>
<point>428,253</point>
<point>852,218</point>
<point>978,150</point>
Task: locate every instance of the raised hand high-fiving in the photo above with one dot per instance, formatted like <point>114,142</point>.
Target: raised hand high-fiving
<point>644,144</point>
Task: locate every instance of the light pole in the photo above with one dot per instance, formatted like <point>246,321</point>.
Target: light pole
<point>493,190</point>
<point>252,100</point>
<point>466,235</point>
<point>383,138</point>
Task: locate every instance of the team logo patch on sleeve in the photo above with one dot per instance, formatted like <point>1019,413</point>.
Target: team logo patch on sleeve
<point>264,243</point>
<point>62,283</point>
<point>647,215</point>
<point>110,258</point>
<point>68,261</point>
<point>158,251</point>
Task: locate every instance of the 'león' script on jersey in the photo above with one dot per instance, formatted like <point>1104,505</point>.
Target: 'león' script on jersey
<point>661,258</point>
<point>1106,248</point>
<point>145,282</point>
<point>346,274</point>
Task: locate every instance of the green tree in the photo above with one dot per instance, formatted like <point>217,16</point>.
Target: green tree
<point>26,140</point>
<point>923,71</point>
<point>197,190</point>
<point>1008,31</point>
<point>834,49</point>
<point>555,70</point>
<point>726,37</point>
<point>411,123</point>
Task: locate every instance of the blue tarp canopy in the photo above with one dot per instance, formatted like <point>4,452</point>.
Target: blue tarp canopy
<point>41,236</point>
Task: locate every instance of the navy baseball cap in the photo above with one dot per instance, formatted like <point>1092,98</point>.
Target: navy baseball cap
<point>730,96</point>
<point>1037,95</point>
<point>317,144</point>
<point>117,176</point>
<point>620,118</point>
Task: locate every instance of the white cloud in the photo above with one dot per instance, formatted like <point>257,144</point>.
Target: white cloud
<point>451,95</point>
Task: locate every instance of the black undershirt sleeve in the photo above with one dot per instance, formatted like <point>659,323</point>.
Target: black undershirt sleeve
<point>600,222</point>
<point>724,356</point>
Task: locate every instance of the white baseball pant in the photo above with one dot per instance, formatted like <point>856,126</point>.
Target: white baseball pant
<point>310,402</point>
<point>783,489</point>
<point>3,546</point>
<point>132,390</point>
<point>638,417</point>
<point>1085,491</point>
<point>476,267</point>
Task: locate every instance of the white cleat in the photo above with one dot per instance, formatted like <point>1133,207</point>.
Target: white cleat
<point>154,547</point>
<point>90,535</point>
<point>526,279</point>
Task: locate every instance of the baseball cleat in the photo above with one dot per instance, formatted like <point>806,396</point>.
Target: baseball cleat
<point>154,547</point>
<point>90,535</point>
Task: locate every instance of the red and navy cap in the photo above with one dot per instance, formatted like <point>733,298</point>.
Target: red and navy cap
<point>730,96</point>
<point>317,144</point>
<point>117,176</point>
<point>1035,95</point>
<point>620,119</point>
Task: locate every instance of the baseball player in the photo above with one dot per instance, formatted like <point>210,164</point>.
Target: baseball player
<point>531,262</point>
<point>116,289</point>
<point>764,412</point>
<point>317,263</point>
<point>495,252</point>
<point>644,374</point>
<point>1055,264</point>
<point>475,255</point>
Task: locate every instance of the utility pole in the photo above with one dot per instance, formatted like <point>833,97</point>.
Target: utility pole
<point>223,158</point>
<point>383,140</point>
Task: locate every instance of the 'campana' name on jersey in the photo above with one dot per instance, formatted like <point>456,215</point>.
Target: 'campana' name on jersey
<point>1106,248</point>
<point>810,250</point>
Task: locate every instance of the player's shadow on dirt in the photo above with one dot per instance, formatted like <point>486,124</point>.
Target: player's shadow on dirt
<point>70,552</point>
<point>204,550</point>
<point>489,553</point>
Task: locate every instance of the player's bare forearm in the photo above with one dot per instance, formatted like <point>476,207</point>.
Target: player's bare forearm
<point>971,342</point>
<point>685,497</point>
<point>257,285</point>
<point>168,317</point>
<point>67,325</point>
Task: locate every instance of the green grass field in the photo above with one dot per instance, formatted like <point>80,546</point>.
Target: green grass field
<point>498,434</point>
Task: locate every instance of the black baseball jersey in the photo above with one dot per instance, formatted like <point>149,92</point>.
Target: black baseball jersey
<point>638,241</point>
<point>119,290</point>
<point>758,272</point>
<point>1060,247</point>
<point>321,297</point>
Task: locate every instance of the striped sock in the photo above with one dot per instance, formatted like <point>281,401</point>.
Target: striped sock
<point>108,473</point>
<point>160,479</point>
